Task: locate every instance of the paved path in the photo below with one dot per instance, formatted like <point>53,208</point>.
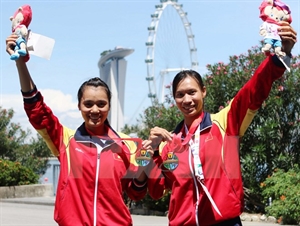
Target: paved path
<point>39,212</point>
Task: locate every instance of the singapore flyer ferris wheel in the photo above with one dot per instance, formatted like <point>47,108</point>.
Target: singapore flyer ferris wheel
<point>170,48</point>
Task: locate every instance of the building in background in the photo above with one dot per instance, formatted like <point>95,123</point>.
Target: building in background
<point>52,173</point>
<point>112,66</point>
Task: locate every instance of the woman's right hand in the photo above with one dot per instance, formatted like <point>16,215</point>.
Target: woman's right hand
<point>157,135</point>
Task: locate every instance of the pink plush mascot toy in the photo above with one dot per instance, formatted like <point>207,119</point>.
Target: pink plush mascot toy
<point>20,22</point>
<point>272,12</point>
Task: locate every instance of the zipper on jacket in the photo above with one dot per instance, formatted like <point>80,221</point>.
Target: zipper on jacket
<point>99,149</point>
<point>196,187</point>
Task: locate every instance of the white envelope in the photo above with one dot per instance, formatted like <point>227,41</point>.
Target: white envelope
<point>40,45</point>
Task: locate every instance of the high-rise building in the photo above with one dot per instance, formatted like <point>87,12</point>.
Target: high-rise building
<point>112,66</point>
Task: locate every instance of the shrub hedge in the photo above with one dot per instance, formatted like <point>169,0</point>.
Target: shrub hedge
<point>13,173</point>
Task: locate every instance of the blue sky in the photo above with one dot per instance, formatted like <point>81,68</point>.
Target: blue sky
<point>84,29</point>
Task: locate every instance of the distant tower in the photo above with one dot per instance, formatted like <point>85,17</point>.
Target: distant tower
<point>112,67</point>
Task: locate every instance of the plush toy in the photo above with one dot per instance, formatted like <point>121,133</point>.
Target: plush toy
<point>272,12</point>
<point>20,22</point>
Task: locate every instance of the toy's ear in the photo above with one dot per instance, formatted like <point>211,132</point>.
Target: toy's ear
<point>20,9</point>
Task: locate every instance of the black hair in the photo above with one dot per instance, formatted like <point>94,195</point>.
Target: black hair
<point>182,75</point>
<point>96,81</point>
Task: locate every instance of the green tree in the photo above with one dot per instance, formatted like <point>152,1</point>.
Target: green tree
<point>11,135</point>
<point>13,173</point>
<point>17,146</point>
<point>164,115</point>
<point>283,188</point>
<point>35,155</point>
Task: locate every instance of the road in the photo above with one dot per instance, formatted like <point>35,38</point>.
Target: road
<point>18,214</point>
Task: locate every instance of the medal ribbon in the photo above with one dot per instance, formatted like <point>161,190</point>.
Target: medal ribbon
<point>195,149</point>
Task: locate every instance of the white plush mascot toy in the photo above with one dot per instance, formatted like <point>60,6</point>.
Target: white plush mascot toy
<point>20,22</point>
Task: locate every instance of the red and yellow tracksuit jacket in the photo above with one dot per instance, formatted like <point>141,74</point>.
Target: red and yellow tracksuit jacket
<point>94,173</point>
<point>219,154</point>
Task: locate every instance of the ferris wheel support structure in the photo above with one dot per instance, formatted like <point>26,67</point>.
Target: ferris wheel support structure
<point>151,44</point>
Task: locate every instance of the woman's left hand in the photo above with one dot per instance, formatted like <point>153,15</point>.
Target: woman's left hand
<point>288,36</point>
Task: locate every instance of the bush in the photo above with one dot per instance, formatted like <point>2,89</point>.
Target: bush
<point>161,204</point>
<point>13,173</point>
<point>284,189</point>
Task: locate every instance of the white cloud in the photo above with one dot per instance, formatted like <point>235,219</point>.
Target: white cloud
<point>58,101</point>
<point>61,104</point>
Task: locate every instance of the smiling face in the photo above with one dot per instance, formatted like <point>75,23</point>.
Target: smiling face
<point>94,107</point>
<point>276,14</point>
<point>189,97</point>
<point>94,103</point>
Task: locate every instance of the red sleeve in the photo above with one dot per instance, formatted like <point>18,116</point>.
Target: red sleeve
<point>43,120</point>
<point>251,96</point>
<point>135,190</point>
<point>157,182</point>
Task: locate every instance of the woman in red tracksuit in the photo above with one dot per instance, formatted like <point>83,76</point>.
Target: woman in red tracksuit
<point>199,160</point>
<point>96,163</point>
